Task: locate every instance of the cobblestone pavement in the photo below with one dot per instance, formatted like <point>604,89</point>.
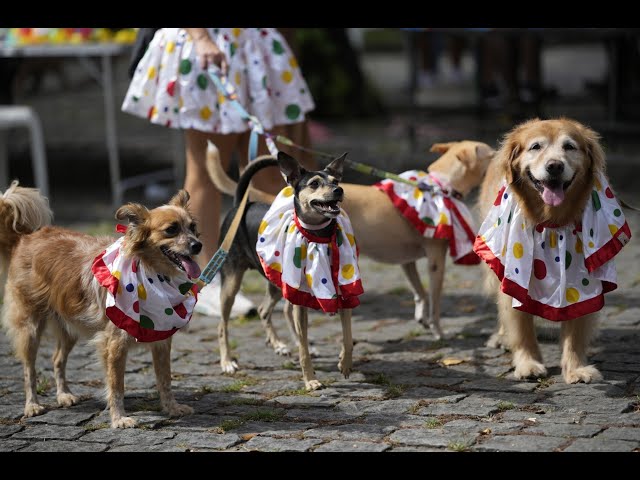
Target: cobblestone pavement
<point>407,393</point>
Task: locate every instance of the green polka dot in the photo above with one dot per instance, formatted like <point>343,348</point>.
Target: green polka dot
<point>596,201</point>
<point>567,260</point>
<point>146,322</point>
<point>292,111</point>
<point>339,238</point>
<point>427,220</point>
<point>278,49</point>
<point>297,257</point>
<point>264,81</point>
<point>617,212</point>
<point>175,110</point>
<point>302,91</point>
<point>134,98</point>
<point>232,49</point>
<point>591,232</point>
<point>185,287</point>
<point>216,30</point>
<point>202,81</point>
<point>499,221</point>
<point>510,215</point>
<point>168,311</point>
<point>185,66</point>
<point>585,282</point>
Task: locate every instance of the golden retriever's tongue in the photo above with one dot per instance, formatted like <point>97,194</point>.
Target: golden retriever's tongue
<point>191,267</point>
<point>553,196</point>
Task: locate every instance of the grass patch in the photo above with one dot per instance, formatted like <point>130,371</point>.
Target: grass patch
<point>317,321</point>
<point>206,389</point>
<point>289,365</point>
<point>233,344</point>
<point>246,401</point>
<point>293,393</point>
<point>504,406</point>
<point>398,291</point>
<point>253,283</point>
<point>414,333</point>
<point>379,379</point>
<point>144,405</point>
<point>43,384</point>
<point>395,390</point>
<point>545,383</point>
<point>433,423</point>
<point>263,416</point>
<point>238,385</point>
<point>458,446</point>
<point>228,425</point>
<point>96,426</point>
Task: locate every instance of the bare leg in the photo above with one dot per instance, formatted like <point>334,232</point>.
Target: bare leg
<point>265,310</point>
<point>114,347</point>
<point>575,336</point>
<point>161,352</point>
<point>301,324</point>
<point>436,255</point>
<point>419,293</point>
<point>521,338</point>
<point>65,344</point>
<point>230,287</point>
<point>346,360</point>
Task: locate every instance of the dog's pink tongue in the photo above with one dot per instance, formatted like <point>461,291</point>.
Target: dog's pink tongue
<point>191,267</point>
<point>553,196</point>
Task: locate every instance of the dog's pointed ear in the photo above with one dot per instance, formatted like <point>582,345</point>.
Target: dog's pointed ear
<point>134,213</point>
<point>290,168</point>
<point>180,199</point>
<point>441,147</point>
<point>336,167</point>
<point>484,151</point>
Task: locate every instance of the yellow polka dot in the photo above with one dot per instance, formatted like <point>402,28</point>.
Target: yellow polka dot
<point>613,229</point>
<point>221,98</point>
<point>523,226</point>
<point>572,295</point>
<point>352,239</point>
<point>119,289</point>
<point>238,78</point>
<point>281,215</point>
<point>309,280</point>
<point>591,245</point>
<point>180,102</point>
<point>205,113</point>
<point>154,112</point>
<point>237,32</point>
<point>417,193</point>
<point>484,240</point>
<point>348,271</point>
<point>293,63</point>
<point>117,274</point>
<point>276,266</point>
<point>311,257</point>
<point>151,73</point>
<point>518,250</point>
<point>596,183</point>
<point>263,225</point>
<point>287,76</point>
<point>578,246</point>
<point>422,174</point>
<point>142,293</point>
<point>303,252</point>
<point>443,220</point>
<point>504,251</point>
<point>171,46</point>
<point>553,240</point>
<point>287,191</point>
<point>292,228</point>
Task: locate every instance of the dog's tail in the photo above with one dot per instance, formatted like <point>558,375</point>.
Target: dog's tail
<point>22,211</point>
<point>254,167</point>
<point>225,184</point>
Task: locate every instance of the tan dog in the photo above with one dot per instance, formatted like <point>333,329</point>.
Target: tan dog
<point>551,167</point>
<point>383,234</point>
<point>50,283</point>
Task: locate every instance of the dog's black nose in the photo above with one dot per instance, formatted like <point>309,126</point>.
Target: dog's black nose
<point>338,191</point>
<point>195,246</point>
<point>555,168</point>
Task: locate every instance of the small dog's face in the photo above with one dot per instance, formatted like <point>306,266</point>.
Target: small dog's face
<point>463,163</point>
<point>552,162</point>
<point>165,238</point>
<point>317,194</point>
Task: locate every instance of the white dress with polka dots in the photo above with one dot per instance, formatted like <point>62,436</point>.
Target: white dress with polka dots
<point>170,88</point>
<point>147,305</point>
<point>303,265</point>
<point>434,214</point>
<point>555,272</point>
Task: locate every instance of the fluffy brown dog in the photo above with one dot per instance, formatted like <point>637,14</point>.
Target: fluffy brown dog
<point>551,168</point>
<point>384,234</point>
<point>50,283</point>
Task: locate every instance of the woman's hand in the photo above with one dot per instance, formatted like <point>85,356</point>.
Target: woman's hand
<point>207,51</point>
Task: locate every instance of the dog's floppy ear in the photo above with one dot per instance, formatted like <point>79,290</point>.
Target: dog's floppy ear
<point>593,149</point>
<point>133,212</point>
<point>180,199</point>
<point>441,147</point>
<point>336,167</point>
<point>290,168</point>
<point>509,151</point>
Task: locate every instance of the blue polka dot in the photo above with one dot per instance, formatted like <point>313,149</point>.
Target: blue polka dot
<point>324,280</point>
<point>255,62</point>
<point>542,245</point>
<point>277,94</point>
<point>505,196</point>
<point>130,288</point>
<point>160,278</point>
<point>557,259</point>
<point>262,239</point>
<point>560,237</point>
<point>150,279</point>
<point>517,271</point>
<point>166,109</point>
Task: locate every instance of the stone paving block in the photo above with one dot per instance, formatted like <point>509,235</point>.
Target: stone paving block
<point>542,416</point>
<point>617,433</point>
<point>626,419</point>
<point>62,416</point>
<point>128,436</point>
<point>328,415</point>
<point>520,443</point>
<point>49,432</point>
<point>270,444</point>
<point>305,401</point>
<point>354,432</point>
<point>478,426</point>
<point>563,430</point>
<point>344,446</point>
<point>12,412</point>
<point>8,430</point>
<point>600,444</point>
<point>418,449</point>
<point>274,429</point>
<point>63,446</point>
<point>206,440</point>
<point>9,445</point>
<point>432,437</point>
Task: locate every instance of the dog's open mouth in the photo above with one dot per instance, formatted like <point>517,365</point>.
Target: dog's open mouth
<point>326,208</point>
<point>552,193</point>
<point>183,262</point>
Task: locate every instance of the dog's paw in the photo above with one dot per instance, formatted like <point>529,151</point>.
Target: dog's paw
<point>33,409</point>
<point>179,410</point>
<point>229,366</point>
<point>345,367</point>
<point>529,368</point>
<point>123,422</point>
<point>312,385</point>
<point>281,348</point>
<point>67,399</point>
<point>496,340</point>
<point>586,374</point>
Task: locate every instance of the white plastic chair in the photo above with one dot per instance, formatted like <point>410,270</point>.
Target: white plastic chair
<point>14,116</point>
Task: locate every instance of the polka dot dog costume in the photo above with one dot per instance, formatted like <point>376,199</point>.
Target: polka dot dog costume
<point>434,214</point>
<point>555,272</point>
<point>147,305</point>
<point>170,88</point>
<point>304,266</point>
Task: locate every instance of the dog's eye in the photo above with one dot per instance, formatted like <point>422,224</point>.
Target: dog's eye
<point>569,146</point>
<point>192,227</point>
<point>535,146</point>
<point>314,184</point>
<point>172,229</point>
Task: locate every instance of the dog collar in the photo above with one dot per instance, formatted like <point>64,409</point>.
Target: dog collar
<point>445,187</point>
<point>307,226</point>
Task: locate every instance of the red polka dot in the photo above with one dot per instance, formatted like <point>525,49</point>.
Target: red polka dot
<point>277,254</point>
<point>171,86</point>
<point>180,310</point>
<point>539,269</point>
<point>413,179</point>
<point>136,307</point>
<point>134,267</point>
<point>539,228</point>
<point>608,193</point>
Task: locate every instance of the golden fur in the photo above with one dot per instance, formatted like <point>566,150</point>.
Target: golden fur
<point>577,149</point>
<point>50,283</point>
